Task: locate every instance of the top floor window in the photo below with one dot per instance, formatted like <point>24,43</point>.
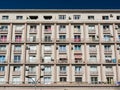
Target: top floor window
<point>19,17</point>
<point>5,17</point>
<point>76,17</point>
<point>90,17</point>
<point>62,17</point>
<point>105,17</point>
<point>118,17</point>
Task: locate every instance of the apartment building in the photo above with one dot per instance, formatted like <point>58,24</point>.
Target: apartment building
<point>59,49</point>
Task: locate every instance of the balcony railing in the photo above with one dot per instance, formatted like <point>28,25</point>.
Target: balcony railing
<point>47,31</point>
<point>32,31</point>
<point>18,31</point>
<point>17,61</point>
<point>109,73</point>
<point>77,31</point>
<point>17,51</point>
<point>63,72</point>
<point>78,61</point>
<point>92,31</point>
<point>3,61</point>
<point>93,50</point>
<point>29,40</point>
<point>48,73</point>
<point>3,40</point>
<point>47,51</point>
<point>95,40</point>
<point>78,51</point>
<point>16,73</point>
<point>78,40</point>
<point>62,51</point>
<point>31,72</point>
<point>3,50</point>
<point>62,61</point>
<point>32,61</point>
<point>78,73</point>
<point>18,41</point>
<point>93,72</point>
<point>2,72</point>
<point>47,40</point>
<point>3,31</point>
<point>107,40</point>
<point>62,31</point>
<point>93,61</point>
<point>32,51</point>
<point>108,51</point>
<point>62,40</point>
<point>106,30</point>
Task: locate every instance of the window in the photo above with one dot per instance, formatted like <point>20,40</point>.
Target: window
<point>62,28</point>
<point>32,17</point>
<point>48,38</point>
<point>62,68</point>
<point>78,79</point>
<point>63,37</point>
<point>76,17</point>
<point>93,68</point>
<point>5,17</point>
<point>107,38</point>
<point>62,48</point>
<point>76,38</point>
<point>77,27</point>
<point>77,47</point>
<point>4,27</point>
<point>109,69</point>
<point>47,58</point>
<point>105,17</point>
<point>32,38</point>
<point>90,17</point>
<point>47,27</point>
<point>91,27</point>
<point>2,47</point>
<point>32,58</point>
<point>2,68</point>
<point>16,80</point>
<point>78,68</point>
<point>2,80</point>
<point>31,80</point>
<point>47,68</point>
<point>107,47</point>
<point>32,47</point>
<point>19,17</point>
<point>94,80</point>
<point>63,79</point>
<point>17,47</point>
<point>2,58</point>
<point>32,69</point>
<point>118,17</point>
<point>17,58</point>
<point>109,80</point>
<point>47,17</point>
<point>93,58</point>
<point>62,17</point>
<point>47,48</point>
<point>92,47</point>
<point>3,38</point>
<point>16,68</point>
<point>105,27</point>
<point>19,27</point>
<point>18,38</point>
<point>47,80</point>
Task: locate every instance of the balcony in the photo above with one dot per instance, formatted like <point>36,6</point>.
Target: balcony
<point>109,73</point>
<point>33,31</point>
<point>62,73</point>
<point>77,73</point>
<point>91,31</point>
<point>93,73</point>
<point>77,31</point>
<point>62,61</point>
<point>47,40</point>
<point>32,40</point>
<point>108,51</point>
<point>31,72</point>
<point>62,31</point>
<point>32,61</point>
<point>62,41</point>
<point>47,51</point>
<point>47,31</point>
<point>93,40</point>
<point>77,52</point>
<point>18,41</point>
<point>18,31</point>
<point>118,30</point>
<point>3,40</point>
<point>93,61</point>
<point>3,61</point>
<point>2,72</point>
<point>18,51</point>
<point>17,61</point>
<point>3,50</point>
<point>62,51</point>
<point>94,50</point>
<point>79,40</point>
<point>106,31</point>
<point>78,61</point>
<point>109,40</point>
<point>16,73</point>
<point>32,51</point>
<point>3,31</point>
<point>48,73</point>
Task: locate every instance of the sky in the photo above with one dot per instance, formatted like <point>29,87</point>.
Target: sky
<point>59,4</point>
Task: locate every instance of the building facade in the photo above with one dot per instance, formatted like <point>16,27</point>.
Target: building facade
<point>64,49</point>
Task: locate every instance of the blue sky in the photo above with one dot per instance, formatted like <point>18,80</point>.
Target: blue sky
<point>59,4</point>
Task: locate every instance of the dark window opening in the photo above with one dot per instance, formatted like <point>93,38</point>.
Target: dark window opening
<point>33,17</point>
<point>48,17</point>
